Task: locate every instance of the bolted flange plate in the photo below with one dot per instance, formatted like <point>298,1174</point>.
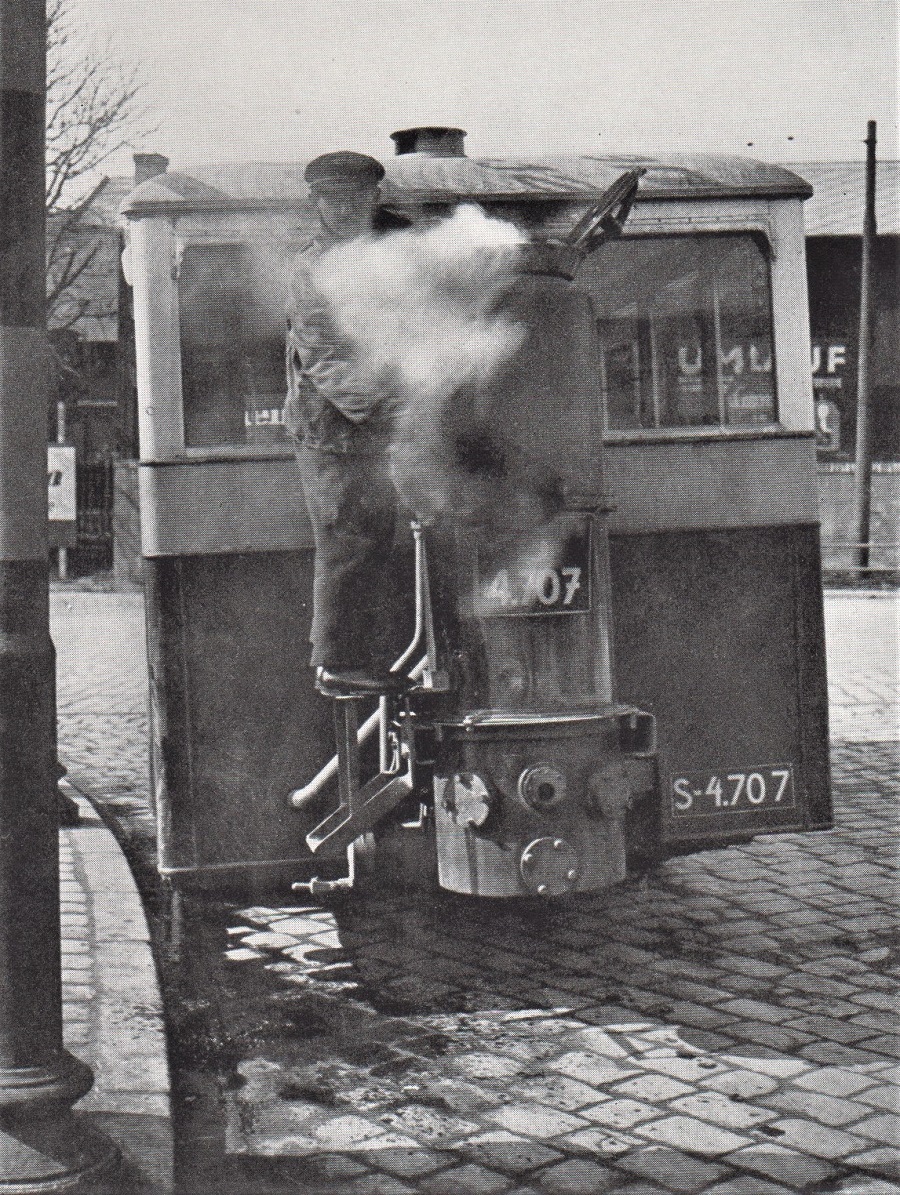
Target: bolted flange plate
<point>549,866</point>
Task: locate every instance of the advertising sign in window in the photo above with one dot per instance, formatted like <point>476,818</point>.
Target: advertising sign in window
<point>831,372</point>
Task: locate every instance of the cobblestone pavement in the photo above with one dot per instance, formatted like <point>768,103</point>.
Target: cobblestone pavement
<point>101,696</point>
<point>725,1025</point>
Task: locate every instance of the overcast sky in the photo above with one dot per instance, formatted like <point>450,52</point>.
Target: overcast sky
<point>284,79</point>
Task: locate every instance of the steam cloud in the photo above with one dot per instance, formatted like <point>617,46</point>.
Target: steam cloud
<point>420,307</point>
<point>419,304</point>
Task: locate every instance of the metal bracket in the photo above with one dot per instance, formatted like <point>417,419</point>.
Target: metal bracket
<point>316,887</point>
<point>348,822</point>
<point>361,806</point>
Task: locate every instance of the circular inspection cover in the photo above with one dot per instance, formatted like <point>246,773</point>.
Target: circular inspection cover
<point>549,866</point>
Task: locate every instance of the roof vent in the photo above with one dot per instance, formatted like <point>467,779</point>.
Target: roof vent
<point>149,166</point>
<point>433,141</point>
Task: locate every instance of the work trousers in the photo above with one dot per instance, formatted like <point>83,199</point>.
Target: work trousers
<point>352,505</point>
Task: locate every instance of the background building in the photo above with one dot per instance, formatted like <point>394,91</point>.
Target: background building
<point>834,221</point>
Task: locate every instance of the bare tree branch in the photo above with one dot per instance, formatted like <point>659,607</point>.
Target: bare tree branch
<point>94,109</point>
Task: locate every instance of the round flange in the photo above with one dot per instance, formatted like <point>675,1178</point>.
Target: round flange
<point>549,866</point>
<point>542,786</point>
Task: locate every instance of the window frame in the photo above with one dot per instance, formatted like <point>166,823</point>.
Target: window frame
<point>760,235</point>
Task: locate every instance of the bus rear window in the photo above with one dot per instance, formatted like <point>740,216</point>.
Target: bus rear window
<point>684,331</point>
<point>232,349</point>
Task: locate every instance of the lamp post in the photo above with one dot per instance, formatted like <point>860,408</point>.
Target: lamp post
<point>43,1146</point>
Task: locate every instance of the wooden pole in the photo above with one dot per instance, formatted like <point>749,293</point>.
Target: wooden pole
<point>862,490</point>
<point>42,1145</point>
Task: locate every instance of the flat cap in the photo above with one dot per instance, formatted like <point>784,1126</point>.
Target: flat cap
<point>344,168</point>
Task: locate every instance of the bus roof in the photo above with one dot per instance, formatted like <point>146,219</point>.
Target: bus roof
<point>422,178</point>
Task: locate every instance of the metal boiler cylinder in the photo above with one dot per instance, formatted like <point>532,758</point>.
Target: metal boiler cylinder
<point>531,781</point>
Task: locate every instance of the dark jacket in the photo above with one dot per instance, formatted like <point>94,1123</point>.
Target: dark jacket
<point>332,403</point>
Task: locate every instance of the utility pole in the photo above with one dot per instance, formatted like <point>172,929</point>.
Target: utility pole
<point>862,489</point>
<point>42,1145</point>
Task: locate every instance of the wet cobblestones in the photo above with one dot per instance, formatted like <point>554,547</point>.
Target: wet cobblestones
<point>679,1033</point>
<point>725,1025</point>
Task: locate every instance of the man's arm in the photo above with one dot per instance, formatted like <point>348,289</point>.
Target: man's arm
<point>325,359</point>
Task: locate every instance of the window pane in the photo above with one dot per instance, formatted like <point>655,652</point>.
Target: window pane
<point>232,350</point>
<point>742,286</point>
<point>685,331</point>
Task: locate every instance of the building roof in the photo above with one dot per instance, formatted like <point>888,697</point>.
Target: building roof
<point>103,210</point>
<point>838,198</point>
<point>85,244</point>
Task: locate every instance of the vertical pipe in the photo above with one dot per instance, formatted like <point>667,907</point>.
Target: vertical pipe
<point>862,490</point>
<point>717,349</point>
<point>63,553</point>
<point>157,338</point>
<point>655,373</point>
<point>42,1147</point>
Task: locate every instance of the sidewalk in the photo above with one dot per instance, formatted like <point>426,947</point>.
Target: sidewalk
<point>862,633</point>
<point>112,1010</point>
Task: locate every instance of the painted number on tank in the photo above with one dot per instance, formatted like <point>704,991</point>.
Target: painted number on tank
<point>558,581</point>
<point>553,588</point>
<point>707,794</point>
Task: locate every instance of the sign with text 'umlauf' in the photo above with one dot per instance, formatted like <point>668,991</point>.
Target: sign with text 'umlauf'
<point>831,372</point>
<point>61,504</point>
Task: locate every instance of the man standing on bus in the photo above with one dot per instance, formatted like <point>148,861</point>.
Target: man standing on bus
<point>341,420</point>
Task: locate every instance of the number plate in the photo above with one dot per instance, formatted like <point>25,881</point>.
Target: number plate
<point>544,577</point>
<point>708,794</point>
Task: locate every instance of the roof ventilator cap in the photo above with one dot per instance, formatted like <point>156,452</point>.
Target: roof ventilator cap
<point>433,141</point>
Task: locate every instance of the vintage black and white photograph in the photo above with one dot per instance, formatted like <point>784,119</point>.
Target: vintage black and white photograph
<point>449,687</point>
